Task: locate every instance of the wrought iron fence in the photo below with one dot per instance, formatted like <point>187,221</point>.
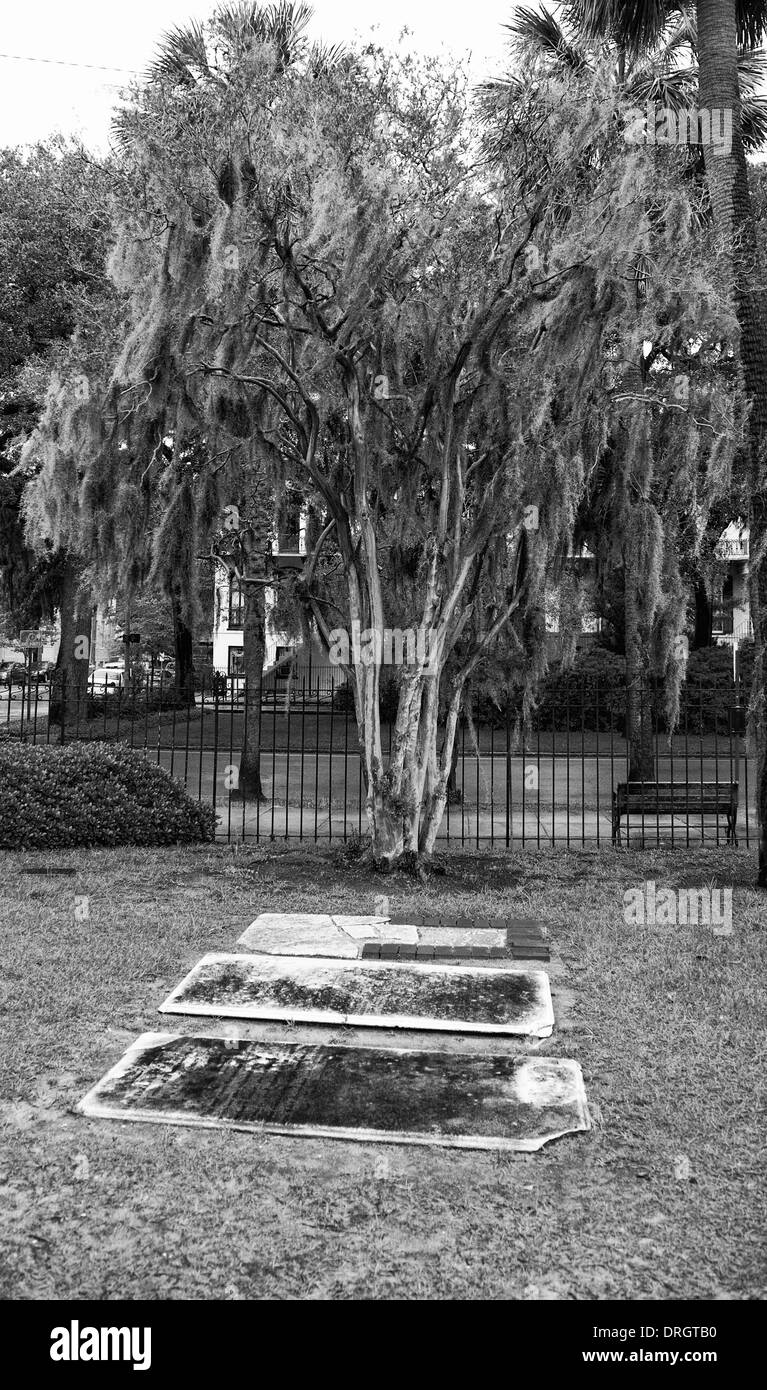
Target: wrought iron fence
<point>551,783</point>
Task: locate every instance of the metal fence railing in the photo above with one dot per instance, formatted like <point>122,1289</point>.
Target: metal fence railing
<point>552,783</point>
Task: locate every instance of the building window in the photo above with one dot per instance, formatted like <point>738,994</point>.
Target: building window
<point>722,606</point>
<point>236,661</point>
<point>236,618</point>
<point>283,655</point>
<point>289,530</point>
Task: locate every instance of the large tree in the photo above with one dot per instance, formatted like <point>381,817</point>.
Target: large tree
<point>330,289</point>
<point>54,232</point>
<point>671,370</point>
<point>723,28</point>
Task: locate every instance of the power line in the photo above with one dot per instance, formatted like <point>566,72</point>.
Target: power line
<point>64,63</point>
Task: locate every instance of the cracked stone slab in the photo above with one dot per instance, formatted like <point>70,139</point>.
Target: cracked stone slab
<point>377,929</point>
<point>455,936</point>
<point>377,994</point>
<point>320,934</point>
<point>304,921</point>
<point>282,936</point>
<point>367,1094</point>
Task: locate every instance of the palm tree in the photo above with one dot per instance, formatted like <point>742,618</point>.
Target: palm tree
<point>725,34</point>
<point>199,53</point>
<point>206,60</point>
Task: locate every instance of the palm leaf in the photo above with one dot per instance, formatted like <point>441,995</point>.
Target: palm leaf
<point>183,55</point>
<point>635,26</point>
<point>754,120</point>
<point>752,69</point>
<point>323,57</point>
<point>752,21</point>
<point>540,29</point>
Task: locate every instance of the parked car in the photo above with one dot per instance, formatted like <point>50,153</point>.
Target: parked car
<point>107,679</point>
<point>158,672</point>
<point>18,673</point>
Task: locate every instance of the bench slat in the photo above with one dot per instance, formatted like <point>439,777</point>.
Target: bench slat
<point>676,798</point>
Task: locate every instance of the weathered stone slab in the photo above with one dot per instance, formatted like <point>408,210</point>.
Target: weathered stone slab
<point>455,936</point>
<point>377,929</point>
<point>383,1095</point>
<point>303,921</point>
<point>322,938</point>
<point>379,994</point>
<point>319,934</point>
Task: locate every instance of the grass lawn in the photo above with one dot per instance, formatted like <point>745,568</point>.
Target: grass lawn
<point>314,728</point>
<point>667,1022</point>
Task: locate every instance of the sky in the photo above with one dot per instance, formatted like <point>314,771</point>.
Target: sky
<point>38,98</point>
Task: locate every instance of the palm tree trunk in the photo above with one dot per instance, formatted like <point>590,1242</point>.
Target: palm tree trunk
<point>254,646</point>
<point>703,617</point>
<point>70,679</point>
<point>727,177</point>
<point>638,710</point>
<point>184,656</point>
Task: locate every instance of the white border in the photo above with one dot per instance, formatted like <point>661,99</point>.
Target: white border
<point>94,1108</point>
<point>538,1023</point>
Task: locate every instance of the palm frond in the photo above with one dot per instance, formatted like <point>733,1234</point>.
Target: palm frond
<point>283,25</point>
<point>323,57</point>
<point>183,55</point>
<point>752,68</point>
<point>540,29</point>
<point>675,90</point>
<point>752,21</point>
<point>754,118</point>
<point>635,27</point>
<point>682,34</point>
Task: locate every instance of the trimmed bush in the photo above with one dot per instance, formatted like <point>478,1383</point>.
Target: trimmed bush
<point>92,794</point>
<point>590,693</point>
<point>343,698</point>
<point>388,696</point>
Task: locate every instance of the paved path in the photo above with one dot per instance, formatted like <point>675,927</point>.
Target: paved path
<point>328,807</point>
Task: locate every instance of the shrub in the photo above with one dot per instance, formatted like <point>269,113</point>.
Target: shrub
<point>388,696</point>
<point>343,698</point>
<point>590,693</point>
<point>92,794</point>
<point>132,706</point>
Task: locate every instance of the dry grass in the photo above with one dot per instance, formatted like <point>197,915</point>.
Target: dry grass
<point>667,1022</point>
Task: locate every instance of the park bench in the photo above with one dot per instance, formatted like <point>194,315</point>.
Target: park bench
<point>688,799</point>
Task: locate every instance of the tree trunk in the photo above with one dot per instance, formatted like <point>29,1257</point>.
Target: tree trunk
<point>638,710</point>
<point>70,680</point>
<point>454,795</point>
<point>254,645</point>
<point>727,177</point>
<point>405,801</point>
<point>704,617</point>
<point>183,685</point>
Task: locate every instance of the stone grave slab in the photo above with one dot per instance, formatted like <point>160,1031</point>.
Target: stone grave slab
<point>346,936</point>
<point>381,1095</point>
<point>377,994</point>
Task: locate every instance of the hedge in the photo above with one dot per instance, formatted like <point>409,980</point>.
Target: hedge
<point>591,694</point>
<point>92,794</point>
